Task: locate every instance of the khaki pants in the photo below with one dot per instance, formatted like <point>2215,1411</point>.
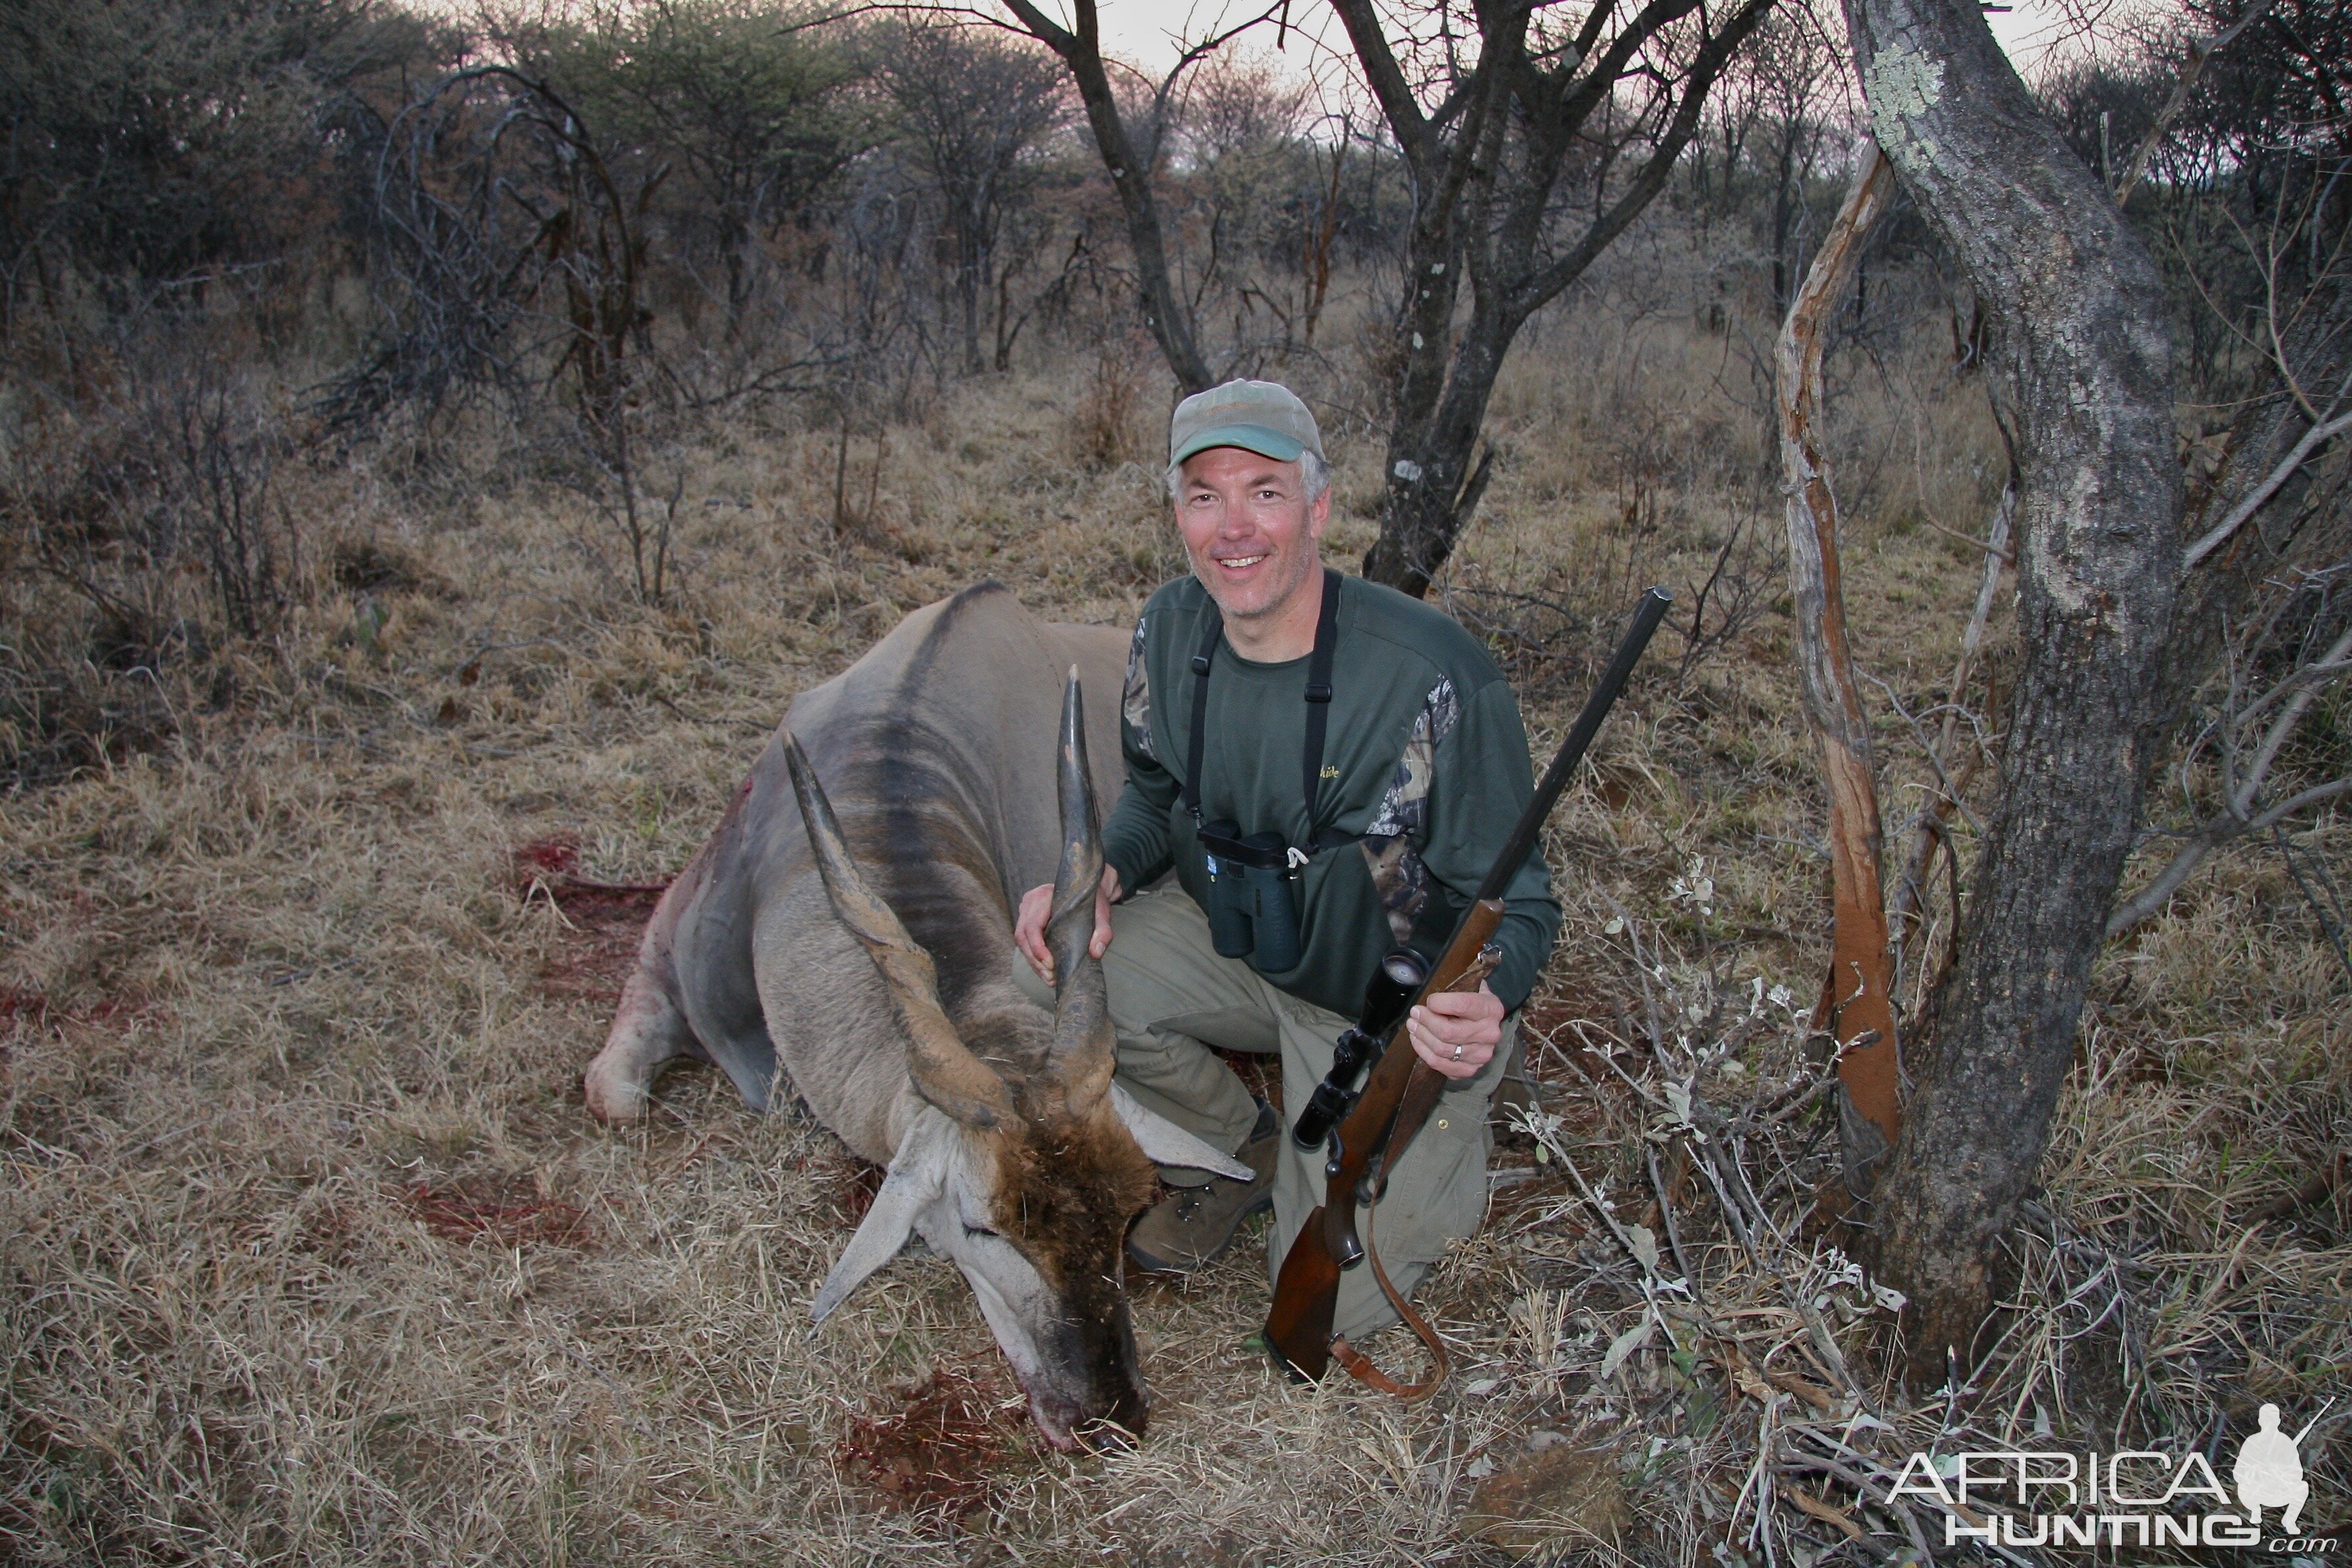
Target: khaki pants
<point>1171,997</point>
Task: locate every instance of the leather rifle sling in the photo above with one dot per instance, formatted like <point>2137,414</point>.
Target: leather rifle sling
<point>1360,1366</point>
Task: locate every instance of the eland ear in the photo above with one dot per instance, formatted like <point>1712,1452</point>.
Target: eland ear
<point>918,1175</point>
<point>1165,1143</point>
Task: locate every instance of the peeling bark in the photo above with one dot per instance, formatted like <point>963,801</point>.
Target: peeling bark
<point>1859,995</point>
<point>2082,373</point>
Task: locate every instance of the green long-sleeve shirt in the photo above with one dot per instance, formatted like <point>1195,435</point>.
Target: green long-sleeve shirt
<point>1425,758</point>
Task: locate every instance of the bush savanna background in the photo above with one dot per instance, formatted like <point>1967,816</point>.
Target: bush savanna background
<point>436,445</point>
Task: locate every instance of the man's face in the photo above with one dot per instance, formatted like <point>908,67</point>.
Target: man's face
<point>1250,530</point>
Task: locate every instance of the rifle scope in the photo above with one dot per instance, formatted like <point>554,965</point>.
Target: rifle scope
<point>1393,985</point>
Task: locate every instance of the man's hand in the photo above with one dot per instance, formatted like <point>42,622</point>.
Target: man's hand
<point>1456,1031</point>
<point>1037,904</point>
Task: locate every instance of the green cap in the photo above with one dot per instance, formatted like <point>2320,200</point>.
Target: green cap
<point>1261,416</point>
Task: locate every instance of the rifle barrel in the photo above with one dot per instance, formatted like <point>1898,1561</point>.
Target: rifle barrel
<point>1298,1325</point>
<point>1646,616</point>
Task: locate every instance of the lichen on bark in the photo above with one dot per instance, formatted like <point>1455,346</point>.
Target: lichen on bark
<point>2082,373</point>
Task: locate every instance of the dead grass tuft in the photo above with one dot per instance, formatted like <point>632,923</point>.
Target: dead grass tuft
<point>1107,429</point>
<point>1558,1497</point>
<point>369,565</point>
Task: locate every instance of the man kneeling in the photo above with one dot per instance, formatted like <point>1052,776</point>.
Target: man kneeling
<point>1329,767</point>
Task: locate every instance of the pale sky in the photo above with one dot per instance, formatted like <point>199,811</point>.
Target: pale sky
<point>1144,31</point>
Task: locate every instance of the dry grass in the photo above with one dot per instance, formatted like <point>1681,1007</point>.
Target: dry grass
<point>311,1254</point>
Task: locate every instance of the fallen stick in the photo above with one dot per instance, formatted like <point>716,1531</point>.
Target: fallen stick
<point>2321,1183</point>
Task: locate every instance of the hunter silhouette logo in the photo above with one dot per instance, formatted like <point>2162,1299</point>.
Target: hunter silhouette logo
<point>2269,1471</point>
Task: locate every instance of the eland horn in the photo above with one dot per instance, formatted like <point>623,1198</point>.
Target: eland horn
<point>1083,1044</point>
<point>945,1072</point>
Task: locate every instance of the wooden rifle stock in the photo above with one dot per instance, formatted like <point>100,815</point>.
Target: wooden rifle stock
<point>1396,1099</point>
<point>1401,1091</point>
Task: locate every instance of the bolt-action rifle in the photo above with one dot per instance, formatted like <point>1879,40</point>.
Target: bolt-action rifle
<point>1378,1123</point>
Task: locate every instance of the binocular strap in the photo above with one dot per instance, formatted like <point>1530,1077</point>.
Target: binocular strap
<point>1318,709</point>
<point>1359,1365</point>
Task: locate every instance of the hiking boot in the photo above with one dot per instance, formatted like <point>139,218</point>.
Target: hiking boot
<point>1193,1226</point>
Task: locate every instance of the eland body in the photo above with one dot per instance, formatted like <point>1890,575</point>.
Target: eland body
<point>848,928</point>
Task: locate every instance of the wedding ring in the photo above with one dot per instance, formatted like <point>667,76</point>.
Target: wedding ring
<point>1457,1053</point>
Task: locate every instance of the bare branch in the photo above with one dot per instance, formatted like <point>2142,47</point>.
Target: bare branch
<point>1910,887</point>
<point>2284,725</point>
<point>1544,286</point>
<point>2239,814</point>
<point>1395,95</point>
<point>1131,175</point>
<point>2313,440</point>
<point>2150,901</point>
<point>2199,51</point>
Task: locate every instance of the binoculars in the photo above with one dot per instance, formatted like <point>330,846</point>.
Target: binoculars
<point>1253,913</point>
<point>1391,990</point>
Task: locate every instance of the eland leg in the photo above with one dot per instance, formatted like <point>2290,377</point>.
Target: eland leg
<point>647,1031</point>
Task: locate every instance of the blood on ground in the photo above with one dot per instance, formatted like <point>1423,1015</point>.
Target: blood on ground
<point>603,921</point>
<point>939,1448</point>
<point>510,1213</point>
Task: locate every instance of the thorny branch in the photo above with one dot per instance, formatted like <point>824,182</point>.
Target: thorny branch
<point>2243,745</point>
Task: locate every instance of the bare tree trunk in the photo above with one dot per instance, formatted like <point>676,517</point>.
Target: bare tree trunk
<point>970,264</point>
<point>1431,487</point>
<point>1167,317</point>
<point>1486,170</point>
<point>1861,974</point>
<point>2084,365</point>
<point>1784,203</point>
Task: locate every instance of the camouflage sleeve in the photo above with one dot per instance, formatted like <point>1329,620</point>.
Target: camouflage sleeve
<point>1479,781</point>
<point>1392,840</point>
<point>1135,838</point>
